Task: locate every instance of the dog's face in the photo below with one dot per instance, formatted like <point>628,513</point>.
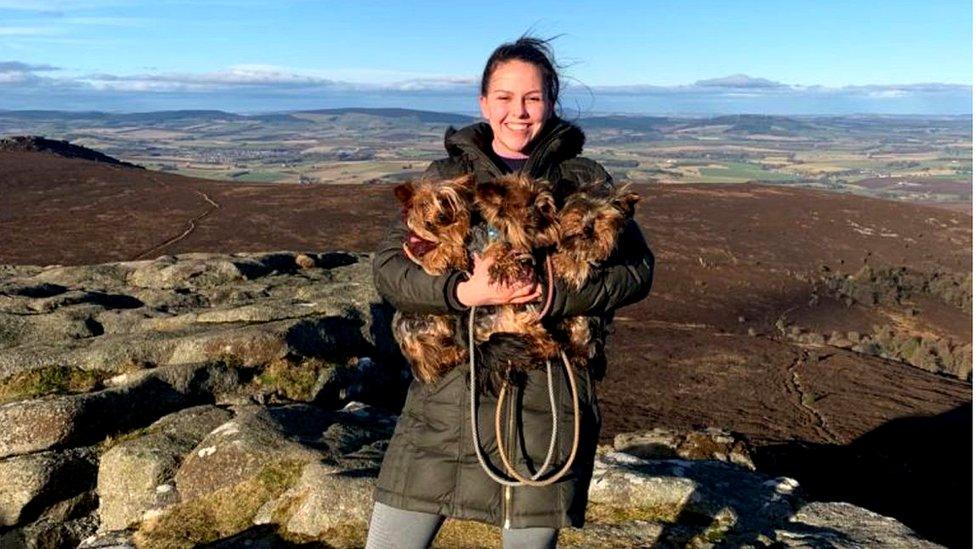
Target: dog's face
<point>589,225</point>
<point>522,209</point>
<point>437,210</point>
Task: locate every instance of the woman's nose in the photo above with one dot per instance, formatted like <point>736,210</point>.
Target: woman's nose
<point>518,109</point>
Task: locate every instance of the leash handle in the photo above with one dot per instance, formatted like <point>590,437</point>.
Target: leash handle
<point>509,468</point>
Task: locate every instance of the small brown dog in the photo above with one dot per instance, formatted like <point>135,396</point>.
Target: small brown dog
<point>521,216</point>
<point>522,212</point>
<point>590,223</point>
<point>438,216</point>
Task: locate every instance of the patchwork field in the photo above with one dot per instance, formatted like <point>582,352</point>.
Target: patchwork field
<point>920,160</point>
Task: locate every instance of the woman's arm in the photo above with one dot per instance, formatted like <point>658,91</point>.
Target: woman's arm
<point>406,285</point>
<point>625,278</point>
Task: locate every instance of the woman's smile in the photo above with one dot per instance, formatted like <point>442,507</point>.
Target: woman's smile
<point>515,106</point>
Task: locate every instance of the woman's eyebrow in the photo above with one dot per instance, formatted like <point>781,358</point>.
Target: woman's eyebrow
<point>526,93</point>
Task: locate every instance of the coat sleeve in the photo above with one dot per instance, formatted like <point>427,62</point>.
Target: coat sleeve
<point>624,278</point>
<point>405,284</point>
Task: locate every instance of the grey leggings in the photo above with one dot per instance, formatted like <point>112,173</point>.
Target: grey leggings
<point>392,528</point>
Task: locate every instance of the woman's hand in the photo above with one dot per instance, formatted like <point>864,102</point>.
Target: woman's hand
<point>479,290</point>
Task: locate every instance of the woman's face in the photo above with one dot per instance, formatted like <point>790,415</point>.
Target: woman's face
<point>515,106</point>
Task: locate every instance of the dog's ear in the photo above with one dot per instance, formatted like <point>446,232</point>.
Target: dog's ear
<point>464,186</point>
<point>546,205</point>
<point>491,193</point>
<point>404,192</point>
<point>626,202</point>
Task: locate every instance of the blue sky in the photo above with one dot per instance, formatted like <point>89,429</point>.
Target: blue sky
<point>653,56</point>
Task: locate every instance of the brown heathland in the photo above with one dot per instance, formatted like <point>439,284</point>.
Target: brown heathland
<point>739,278</point>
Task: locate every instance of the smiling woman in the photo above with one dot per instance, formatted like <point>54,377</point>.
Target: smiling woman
<point>516,107</point>
<point>444,458</point>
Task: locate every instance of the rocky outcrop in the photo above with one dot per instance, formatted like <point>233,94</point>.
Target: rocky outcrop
<point>112,375</point>
<point>900,334</point>
<point>36,143</point>
<point>246,399</point>
<point>709,443</point>
<point>136,475</point>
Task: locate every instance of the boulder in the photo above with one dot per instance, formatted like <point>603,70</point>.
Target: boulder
<point>325,499</point>
<point>702,444</point>
<point>75,420</point>
<point>258,436</point>
<point>733,502</point>
<point>842,525</point>
<point>64,524</point>
<point>31,483</point>
<point>137,475</point>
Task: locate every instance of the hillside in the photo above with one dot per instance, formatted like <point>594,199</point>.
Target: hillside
<point>38,144</point>
<point>827,329</point>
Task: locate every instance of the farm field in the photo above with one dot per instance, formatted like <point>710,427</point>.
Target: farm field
<point>920,160</point>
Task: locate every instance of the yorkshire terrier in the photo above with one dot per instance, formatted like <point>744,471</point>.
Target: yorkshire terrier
<point>590,223</point>
<point>437,214</point>
<point>521,216</point>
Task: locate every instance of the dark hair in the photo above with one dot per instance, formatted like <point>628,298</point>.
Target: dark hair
<point>534,51</point>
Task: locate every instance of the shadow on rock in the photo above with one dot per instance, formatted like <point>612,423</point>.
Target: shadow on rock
<point>915,469</point>
<point>261,537</point>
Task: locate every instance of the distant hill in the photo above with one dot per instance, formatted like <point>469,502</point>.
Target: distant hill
<point>34,143</point>
<point>426,117</point>
<point>626,122</point>
<point>754,124</point>
<point>132,117</point>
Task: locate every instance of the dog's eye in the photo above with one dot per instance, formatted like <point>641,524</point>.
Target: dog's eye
<point>443,218</point>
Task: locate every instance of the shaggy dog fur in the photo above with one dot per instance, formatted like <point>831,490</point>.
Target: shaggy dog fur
<point>437,213</point>
<point>524,221</point>
<point>511,340</point>
<point>590,223</point>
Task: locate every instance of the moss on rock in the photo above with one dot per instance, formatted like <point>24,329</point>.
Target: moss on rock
<point>219,514</point>
<point>50,380</point>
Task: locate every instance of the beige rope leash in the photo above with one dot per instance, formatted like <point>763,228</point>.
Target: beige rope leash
<point>576,429</point>
<point>476,437</point>
<point>549,289</point>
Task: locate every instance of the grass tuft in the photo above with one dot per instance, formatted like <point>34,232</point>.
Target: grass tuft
<point>50,380</point>
<point>219,514</point>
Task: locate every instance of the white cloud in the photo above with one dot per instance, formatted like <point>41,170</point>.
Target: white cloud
<point>887,94</point>
<point>17,66</point>
<point>37,85</point>
<point>27,31</point>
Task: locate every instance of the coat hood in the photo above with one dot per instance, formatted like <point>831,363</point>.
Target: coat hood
<point>559,140</point>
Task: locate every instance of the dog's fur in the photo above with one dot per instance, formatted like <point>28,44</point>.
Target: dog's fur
<point>590,222</point>
<point>523,211</point>
<point>438,216</point>
<point>511,339</point>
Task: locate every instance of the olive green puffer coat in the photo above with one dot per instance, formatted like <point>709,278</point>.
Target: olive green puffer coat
<point>430,464</point>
